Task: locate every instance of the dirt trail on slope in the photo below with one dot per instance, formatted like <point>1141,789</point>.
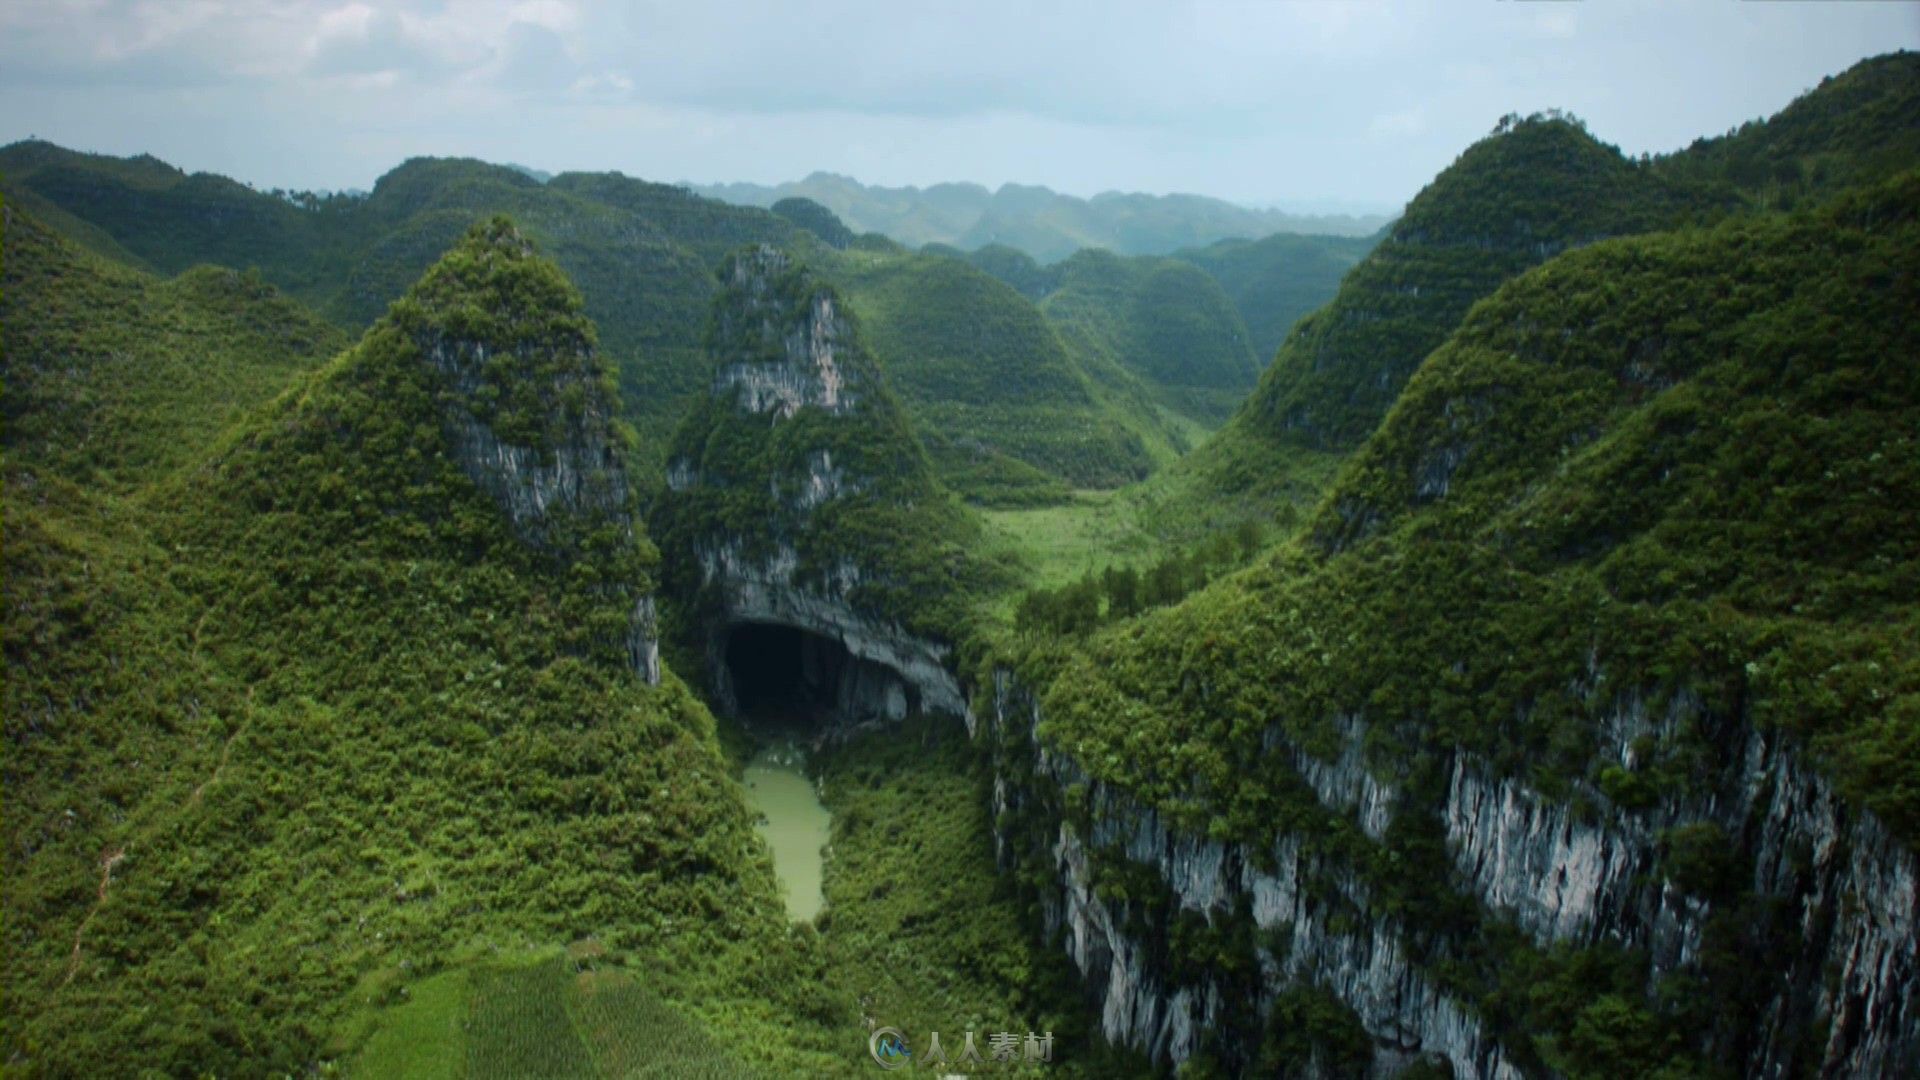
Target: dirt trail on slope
<point>114,857</point>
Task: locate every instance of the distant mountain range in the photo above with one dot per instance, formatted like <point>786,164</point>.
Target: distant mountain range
<point>1089,372</point>
<point>1043,223</point>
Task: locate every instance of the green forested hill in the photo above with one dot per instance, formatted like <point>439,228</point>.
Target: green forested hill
<point>1021,420</point>
<point>305,716</point>
<point>1011,265</point>
<point>816,219</point>
<point>1148,315</point>
<point>172,220</point>
<point>1537,186</point>
<point>1161,319</point>
<point>753,467</point>
<point>1276,280</point>
<point>1526,193</point>
<point>642,253</point>
<point>337,741</point>
<point>1857,127</point>
<point>992,389</point>
<point>114,377</point>
<point>1677,464</point>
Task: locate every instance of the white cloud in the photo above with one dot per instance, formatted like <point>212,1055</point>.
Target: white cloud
<point>1248,99</point>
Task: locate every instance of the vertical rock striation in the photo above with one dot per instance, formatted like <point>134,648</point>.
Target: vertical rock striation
<point>1557,875</point>
<point>797,452</point>
<point>528,411</point>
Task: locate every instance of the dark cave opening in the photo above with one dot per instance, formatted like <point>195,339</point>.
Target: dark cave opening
<point>784,673</point>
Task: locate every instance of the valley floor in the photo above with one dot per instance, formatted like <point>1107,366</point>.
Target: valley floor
<point>920,934</point>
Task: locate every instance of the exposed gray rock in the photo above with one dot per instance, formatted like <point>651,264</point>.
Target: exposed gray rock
<point>681,475</point>
<point>765,590</point>
<point>1365,967</point>
<point>1560,876</point>
<point>782,345</point>
<point>803,370</point>
<point>1565,877</point>
<point>580,476</point>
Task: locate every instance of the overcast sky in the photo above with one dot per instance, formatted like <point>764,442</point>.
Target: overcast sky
<point>1301,103</point>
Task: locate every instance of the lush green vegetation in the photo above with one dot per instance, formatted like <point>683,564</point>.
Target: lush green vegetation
<point>641,253</point>
<point>1011,265</point>
<point>1682,463</point>
<point>817,220</point>
<point>1056,544</point>
<point>303,717</point>
<point>1150,323</point>
<point>920,934</point>
<point>1539,185</point>
<point>1857,127</point>
<point>1160,319</point>
<point>1542,496</point>
<point>315,763</point>
<point>1009,416</point>
<point>1533,189</point>
<point>919,925</point>
<point>1277,280</point>
<point>113,377</point>
<point>1121,592</point>
<point>909,537</point>
<point>991,387</point>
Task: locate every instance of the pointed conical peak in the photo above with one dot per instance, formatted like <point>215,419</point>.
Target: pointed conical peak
<point>511,334</point>
<point>783,339</point>
<point>493,289</point>
<point>527,402</point>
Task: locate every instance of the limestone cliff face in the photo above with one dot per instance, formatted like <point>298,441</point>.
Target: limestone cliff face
<point>580,473</point>
<point>797,451</point>
<point>558,478</point>
<point>894,671</point>
<point>1556,875</point>
<point>783,347</point>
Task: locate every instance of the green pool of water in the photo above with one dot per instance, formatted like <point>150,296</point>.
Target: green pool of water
<point>793,821</point>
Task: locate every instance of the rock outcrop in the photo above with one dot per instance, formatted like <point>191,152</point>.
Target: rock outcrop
<point>1556,875</point>
<point>798,448</point>
<point>894,671</point>
<point>527,409</point>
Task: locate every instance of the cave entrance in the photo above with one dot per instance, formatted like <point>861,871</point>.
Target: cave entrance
<point>780,672</point>
<point>785,674</point>
<point>796,689</point>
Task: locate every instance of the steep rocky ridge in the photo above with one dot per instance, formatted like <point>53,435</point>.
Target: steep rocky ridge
<point>1571,734</point>
<point>359,689</point>
<point>527,407</point>
<point>799,497</point>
